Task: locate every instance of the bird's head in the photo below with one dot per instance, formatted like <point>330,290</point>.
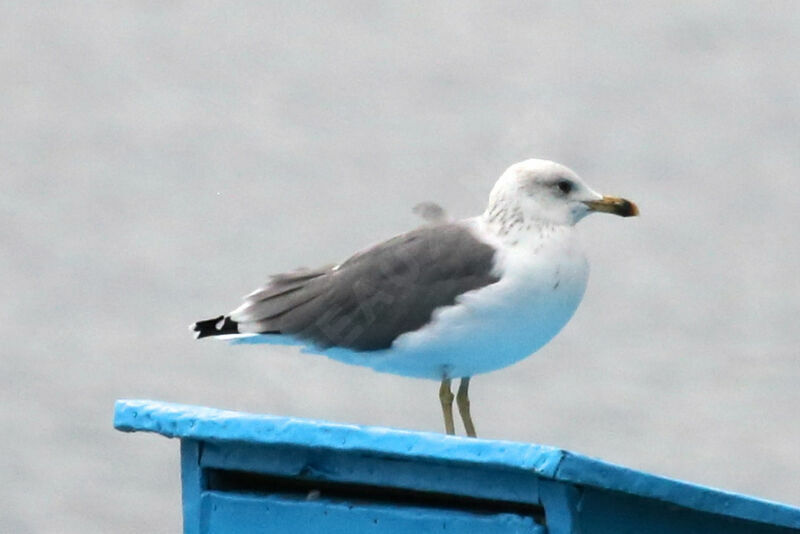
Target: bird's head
<point>546,192</point>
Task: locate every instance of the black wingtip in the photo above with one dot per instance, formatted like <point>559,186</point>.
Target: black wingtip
<point>217,326</point>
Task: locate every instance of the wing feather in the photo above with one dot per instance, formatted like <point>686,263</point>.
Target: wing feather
<point>376,295</point>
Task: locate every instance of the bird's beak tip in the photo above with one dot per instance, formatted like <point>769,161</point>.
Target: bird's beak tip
<point>633,209</point>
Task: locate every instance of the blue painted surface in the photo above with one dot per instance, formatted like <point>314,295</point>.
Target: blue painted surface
<point>315,463</point>
<point>253,473</point>
<point>193,482</point>
<point>195,422</point>
<point>273,513</point>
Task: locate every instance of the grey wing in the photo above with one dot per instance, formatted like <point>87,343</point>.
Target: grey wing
<point>378,294</point>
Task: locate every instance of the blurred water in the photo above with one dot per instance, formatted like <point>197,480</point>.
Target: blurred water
<point>158,160</point>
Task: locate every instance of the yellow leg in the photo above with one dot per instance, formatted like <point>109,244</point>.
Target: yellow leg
<point>446,398</point>
<point>462,399</point>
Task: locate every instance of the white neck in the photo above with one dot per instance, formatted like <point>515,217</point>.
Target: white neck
<point>511,228</point>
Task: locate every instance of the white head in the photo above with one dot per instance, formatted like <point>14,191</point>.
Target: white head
<point>543,192</point>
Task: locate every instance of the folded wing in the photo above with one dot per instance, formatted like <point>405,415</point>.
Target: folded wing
<point>365,303</point>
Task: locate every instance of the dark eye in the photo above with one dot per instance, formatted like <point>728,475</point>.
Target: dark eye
<point>565,186</point>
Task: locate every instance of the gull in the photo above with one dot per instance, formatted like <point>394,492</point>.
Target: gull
<point>448,300</point>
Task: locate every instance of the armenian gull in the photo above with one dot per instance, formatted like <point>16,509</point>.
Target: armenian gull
<point>448,300</point>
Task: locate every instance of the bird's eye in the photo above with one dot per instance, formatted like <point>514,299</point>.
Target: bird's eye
<point>565,186</point>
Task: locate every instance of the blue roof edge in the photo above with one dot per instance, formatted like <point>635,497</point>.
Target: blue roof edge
<point>196,422</point>
<point>201,423</point>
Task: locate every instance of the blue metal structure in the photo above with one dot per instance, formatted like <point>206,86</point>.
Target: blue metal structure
<point>246,473</point>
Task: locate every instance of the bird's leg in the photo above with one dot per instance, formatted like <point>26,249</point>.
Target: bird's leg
<point>446,398</point>
<point>462,399</point>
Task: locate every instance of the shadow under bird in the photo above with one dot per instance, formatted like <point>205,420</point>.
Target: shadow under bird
<point>448,300</point>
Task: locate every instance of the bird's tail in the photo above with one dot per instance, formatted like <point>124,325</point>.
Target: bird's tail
<point>218,326</point>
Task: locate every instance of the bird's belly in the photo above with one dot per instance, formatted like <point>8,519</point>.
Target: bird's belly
<point>489,328</point>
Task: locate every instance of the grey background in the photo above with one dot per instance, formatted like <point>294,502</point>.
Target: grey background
<point>159,160</point>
